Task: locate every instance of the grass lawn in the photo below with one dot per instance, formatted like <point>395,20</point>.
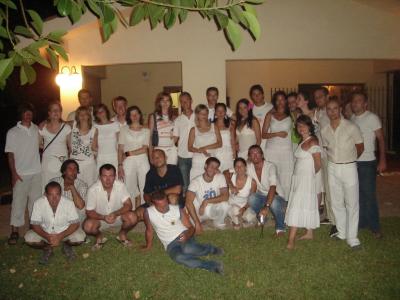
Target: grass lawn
<point>255,268</point>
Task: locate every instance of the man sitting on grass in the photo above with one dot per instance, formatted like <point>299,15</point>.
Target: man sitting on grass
<point>108,205</point>
<point>175,232</point>
<point>54,219</point>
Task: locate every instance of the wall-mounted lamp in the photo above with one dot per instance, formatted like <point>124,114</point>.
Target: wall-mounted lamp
<point>69,78</point>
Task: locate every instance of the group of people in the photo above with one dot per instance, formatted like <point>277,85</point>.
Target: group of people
<point>288,158</point>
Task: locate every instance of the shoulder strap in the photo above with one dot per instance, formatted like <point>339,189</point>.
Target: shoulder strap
<point>62,127</point>
<point>155,121</point>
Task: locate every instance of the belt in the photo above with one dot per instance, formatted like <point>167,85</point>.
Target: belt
<point>345,163</point>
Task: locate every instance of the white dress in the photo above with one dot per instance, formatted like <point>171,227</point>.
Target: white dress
<point>81,151</point>
<point>107,144</point>
<point>55,154</point>
<point>246,138</point>
<point>302,210</point>
<point>165,128</point>
<point>317,129</point>
<point>201,139</point>
<point>225,153</point>
<point>236,202</point>
<point>279,151</point>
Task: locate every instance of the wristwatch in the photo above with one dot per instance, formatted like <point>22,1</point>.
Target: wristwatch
<point>267,205</point>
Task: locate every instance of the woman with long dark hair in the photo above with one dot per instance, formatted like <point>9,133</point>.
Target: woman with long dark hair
<point>279,150</point>
<point>248,130</point>
<point>226,153</point>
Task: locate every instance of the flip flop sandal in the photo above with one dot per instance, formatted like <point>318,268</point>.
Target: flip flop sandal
<point>13,239</point>
<point>126,243</point>
<point>99,244</point>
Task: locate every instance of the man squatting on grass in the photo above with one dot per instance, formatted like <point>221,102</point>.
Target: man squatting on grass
<point>175,232</point>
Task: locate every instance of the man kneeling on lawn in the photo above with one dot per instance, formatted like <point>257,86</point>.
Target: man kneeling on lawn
<point>54,219</point>
<point>175,232</point>
<point>108,205</point>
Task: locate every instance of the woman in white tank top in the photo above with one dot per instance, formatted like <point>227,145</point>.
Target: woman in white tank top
<point>81,144</point>
<point>164,120</point>
<point>204,138</point>
<point>226,153</point>
<point>54,133</point>
<point>240,190</point>
<point>279,149</point>
<point>133,160</point>
<point>247,131</point>
<point>106,139</point>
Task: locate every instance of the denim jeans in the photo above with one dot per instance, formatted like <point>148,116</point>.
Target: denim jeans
<point>188,253</point>
<point>278,208</point>
<point>184,165</point>
<point>369,211</point>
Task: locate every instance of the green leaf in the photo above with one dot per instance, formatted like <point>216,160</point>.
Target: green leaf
<point>169,18</point>
<point>6,68</point>
<point>233,33</point>
<point>155,14</point>
<point>37,21</point>
<point>64,7</point>
<point>52,58</point>
<point>183,15</point>
<point>106,31</point>
<point>1,47</point>
<point>137,15</point>
<point>8,3</point>
<point>27,74</point>
<point>250,8</point>
<point>255,1</point>
<point>95,8</point>
<point>114,25</point>
<point>222,19</point>
<point>60,50</point>
<point>3,32</point>
<point>237,15</point>
<point>56,35</point>
<point>76,13</point>
<point>108,13</point>
<point>23,78</point>
<point>22,30</point>
<point>254,26</point>
<point>38,44</point>
<point>128,2</point>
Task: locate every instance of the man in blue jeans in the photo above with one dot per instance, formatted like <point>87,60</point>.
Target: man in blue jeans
<point>267,198</point>
<point>175,232</point>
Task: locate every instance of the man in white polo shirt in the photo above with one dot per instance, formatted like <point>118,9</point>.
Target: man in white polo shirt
<point>119,104</point>
<point>54,219</point>
<point>207,196</point>
<point>182,127</point>
<point>212,95</point>
<point>108,204</point>
<point>344,144</point>
<point>371,129</point>
<point>22,148</point>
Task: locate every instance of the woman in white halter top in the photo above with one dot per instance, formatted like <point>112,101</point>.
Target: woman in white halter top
<point>248,130</point>
<point>204,138</point>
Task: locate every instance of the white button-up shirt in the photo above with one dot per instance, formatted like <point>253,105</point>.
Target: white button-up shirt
<point>24,143</point>
<point>54,222</point>
<point>269,177</point>
<point>182,127</point>
<point>97,198</point>
<point>340,143</point>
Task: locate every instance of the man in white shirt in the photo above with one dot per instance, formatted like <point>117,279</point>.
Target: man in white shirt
<point>85,100</point>
<point>268,196</point>
<point>109,205</point>
<point>344,144</point>
<point>119,104</point>
<point>72,187</point>
<point>173,228</point>
<point>212,95</point>
<point>261,108</point>
<point>371,129</point>
<point>22,148</point>
<point>182,126</point>
<point>207,196</point>
<point>54,219</point>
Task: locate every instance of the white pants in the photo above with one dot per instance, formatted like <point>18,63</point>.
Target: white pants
<point>87,171</point>
<point>78,236</point>
<point>171,153</point>
<point>215,212</point>
<point>327,198</point>
<point>26,191</point>
<point>135,169</point>
<point>343,185</point>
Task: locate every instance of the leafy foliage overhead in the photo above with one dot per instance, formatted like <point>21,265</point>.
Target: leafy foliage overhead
<point>231,17</point>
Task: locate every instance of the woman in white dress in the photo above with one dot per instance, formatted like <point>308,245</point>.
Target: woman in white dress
<point>302,210</point>
<point>248,130</point>
<point>133,160</point>
<point>81,145</point>
<point>106,139</point>
<point>226,153</point>
<point>279,149</point>
<point>162,120</point>
<point>204,138</point>
<point>54,133</point>
<point>240,189</point>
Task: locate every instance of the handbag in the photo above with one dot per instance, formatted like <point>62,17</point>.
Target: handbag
<point>154,134</point>
<point>53,139</point>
